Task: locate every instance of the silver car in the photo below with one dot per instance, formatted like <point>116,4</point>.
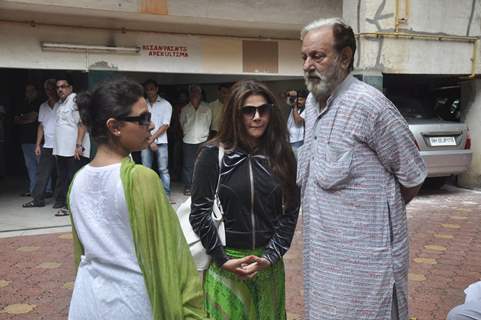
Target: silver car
<point>444,145</point>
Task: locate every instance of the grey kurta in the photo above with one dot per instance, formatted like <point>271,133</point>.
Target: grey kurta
<point>355,155</point>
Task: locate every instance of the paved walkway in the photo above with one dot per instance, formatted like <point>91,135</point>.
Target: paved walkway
<point>36,272</point>
<point>445,237</point>
<point>18,221</point>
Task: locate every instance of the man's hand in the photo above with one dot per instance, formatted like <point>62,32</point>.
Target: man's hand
<point>78,151</point>
<point>291,98</point>
<point>409,193</point>
<point>38,150</point>
<point>153,146</point>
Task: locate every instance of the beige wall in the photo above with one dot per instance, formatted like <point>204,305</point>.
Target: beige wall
<point>268,11</point>
<point>271,11</point>
<point>222,55</point>
<point>111,5</point>
<point>269,19</point>
<point>21,48</point>
<point>412,56</point>
<point>471,99</point>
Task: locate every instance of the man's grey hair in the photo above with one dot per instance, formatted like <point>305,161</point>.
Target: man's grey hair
<point>319,23</point>
<point>192,88</point>
<point>343,34</point>
<point>50,83</point>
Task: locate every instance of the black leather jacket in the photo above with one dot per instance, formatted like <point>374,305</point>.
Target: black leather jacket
<point>251,199</point>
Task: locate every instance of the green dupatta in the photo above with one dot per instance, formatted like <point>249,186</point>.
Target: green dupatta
<point>171,279</point>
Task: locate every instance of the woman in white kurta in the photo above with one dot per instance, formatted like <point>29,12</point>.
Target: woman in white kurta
<point>133,260</point>
<point>109,279</point>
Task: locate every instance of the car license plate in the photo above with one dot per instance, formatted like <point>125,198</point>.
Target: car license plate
<point>442,141</point>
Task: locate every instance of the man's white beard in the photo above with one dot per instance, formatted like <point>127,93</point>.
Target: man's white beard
<point>325,85</point>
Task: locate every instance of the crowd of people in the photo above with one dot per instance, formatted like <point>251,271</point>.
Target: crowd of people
<point>345,156</point>
<point>56,144</point>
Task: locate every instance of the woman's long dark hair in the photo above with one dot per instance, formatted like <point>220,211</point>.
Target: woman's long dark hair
<point>275,141</point>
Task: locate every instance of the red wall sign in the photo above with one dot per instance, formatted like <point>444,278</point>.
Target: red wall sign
<point>166,51</point>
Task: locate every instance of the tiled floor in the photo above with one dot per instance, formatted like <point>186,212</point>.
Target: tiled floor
<point>36,272</point>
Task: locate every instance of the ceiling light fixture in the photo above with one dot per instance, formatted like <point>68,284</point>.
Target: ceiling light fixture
<point>69,47</point>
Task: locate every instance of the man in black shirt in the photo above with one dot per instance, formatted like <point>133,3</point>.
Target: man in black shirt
<point>26,122</point>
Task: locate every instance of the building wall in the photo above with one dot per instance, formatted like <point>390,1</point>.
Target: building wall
<point>110,5</point>
<point>471,99</point>
<point>412,56</point>
<point>282,19</point>
<point>274,11</point>
<point>273,14</point>
<point>277,11</point>
<point>21,48</point>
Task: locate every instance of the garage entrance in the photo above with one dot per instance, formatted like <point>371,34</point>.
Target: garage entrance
<point>173,87</point>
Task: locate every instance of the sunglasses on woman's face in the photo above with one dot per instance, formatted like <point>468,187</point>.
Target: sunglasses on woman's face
<point>143,119</point>
<point>250,111</point>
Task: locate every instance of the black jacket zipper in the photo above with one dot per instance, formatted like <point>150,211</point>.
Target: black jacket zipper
<point>253,222</point>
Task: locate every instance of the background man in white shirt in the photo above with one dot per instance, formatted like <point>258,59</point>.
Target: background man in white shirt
<point>72,143</point>
<point>295,122</point>
<point>46,132</point>
<point>161,111</point>
<point>217,106</point>
<point>195,120</point>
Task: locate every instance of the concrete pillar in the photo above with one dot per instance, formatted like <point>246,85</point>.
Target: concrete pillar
<point>471,115</point>
<point>96,76</point>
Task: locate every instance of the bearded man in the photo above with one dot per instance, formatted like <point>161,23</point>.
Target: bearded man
<point>358,169</point>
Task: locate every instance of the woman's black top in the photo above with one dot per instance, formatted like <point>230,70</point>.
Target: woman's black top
<point>251,198</point>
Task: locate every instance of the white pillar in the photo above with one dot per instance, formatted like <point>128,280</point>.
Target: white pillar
<point>471,100</point>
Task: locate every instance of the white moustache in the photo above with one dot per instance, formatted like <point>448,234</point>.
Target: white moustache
<point>314,74</point>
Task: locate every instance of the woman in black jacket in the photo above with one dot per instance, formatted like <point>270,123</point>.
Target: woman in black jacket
<point>260,201</point>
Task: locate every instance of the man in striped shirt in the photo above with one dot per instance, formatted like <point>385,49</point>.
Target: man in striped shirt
<point>358,169</point>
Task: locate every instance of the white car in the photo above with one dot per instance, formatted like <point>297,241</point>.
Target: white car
<point>444,145</point>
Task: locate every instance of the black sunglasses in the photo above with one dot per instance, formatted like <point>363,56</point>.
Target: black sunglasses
<point>251,111</point>
<point>143,119</point>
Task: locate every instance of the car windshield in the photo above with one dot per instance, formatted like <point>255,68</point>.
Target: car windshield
<point>413,109</point>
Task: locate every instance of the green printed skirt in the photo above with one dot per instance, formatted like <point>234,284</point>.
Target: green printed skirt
<point>228,297</point>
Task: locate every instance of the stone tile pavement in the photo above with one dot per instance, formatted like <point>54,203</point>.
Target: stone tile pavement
<point>445,238</point>
<point>36,272</point>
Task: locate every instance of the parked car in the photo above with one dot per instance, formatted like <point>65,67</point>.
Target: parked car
<point>444,145</point>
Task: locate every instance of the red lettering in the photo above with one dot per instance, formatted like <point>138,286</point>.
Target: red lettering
<point>166,51</point>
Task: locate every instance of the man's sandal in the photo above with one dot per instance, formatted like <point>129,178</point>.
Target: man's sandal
<point>62,213</point>
<point>33,204</point>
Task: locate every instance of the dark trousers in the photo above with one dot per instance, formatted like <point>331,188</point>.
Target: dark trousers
<point>45,170</point>
<point>66,169</point>
<point>189,155</point>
